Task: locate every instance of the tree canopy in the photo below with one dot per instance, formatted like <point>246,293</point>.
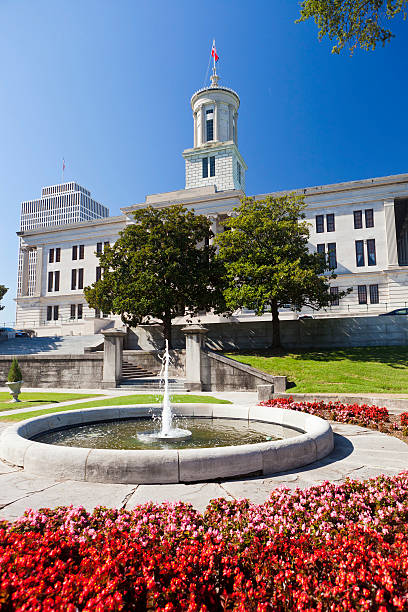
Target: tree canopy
<point>353,23</point>
<point>161,266</point>
<point>3,291</point>
<point>267,260</point>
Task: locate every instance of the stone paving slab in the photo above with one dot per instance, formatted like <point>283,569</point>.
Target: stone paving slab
<point>70,492</point>
<point>359,453</point>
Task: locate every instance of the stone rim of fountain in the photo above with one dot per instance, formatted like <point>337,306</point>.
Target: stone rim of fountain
<point>166,466</point>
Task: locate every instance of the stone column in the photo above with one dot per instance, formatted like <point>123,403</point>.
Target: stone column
<point>230,122</point>
<point>215,121</point>
<point>390,233</point>
<point>194,341</point>
<point>24,272</point>
<point>38,272</point>
<point>195,130</point>
<point>112,357</point>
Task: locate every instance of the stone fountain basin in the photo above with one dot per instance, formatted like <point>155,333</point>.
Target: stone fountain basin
<point>166,466</point>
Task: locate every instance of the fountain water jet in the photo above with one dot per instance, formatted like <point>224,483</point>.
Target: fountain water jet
<point>167,432</point>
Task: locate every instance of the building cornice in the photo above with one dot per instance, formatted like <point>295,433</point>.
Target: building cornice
<point>73,226</point>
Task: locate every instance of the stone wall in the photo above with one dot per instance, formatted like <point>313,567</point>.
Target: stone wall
<point>307,334</point>
<point>219,373</point>
<point>54,371</point>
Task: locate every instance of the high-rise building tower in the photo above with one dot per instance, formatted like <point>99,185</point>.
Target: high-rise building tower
<point>215,158</point>
<point>59,205</point>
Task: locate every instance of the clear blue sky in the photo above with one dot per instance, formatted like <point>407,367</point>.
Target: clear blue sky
<point>106,84</point>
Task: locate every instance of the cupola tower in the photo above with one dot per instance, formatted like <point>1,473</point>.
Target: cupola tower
<point>215,159</point>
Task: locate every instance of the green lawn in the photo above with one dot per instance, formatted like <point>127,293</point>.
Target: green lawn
<point>37,399</point>
<point>354,370</point>
<point>119,401</point>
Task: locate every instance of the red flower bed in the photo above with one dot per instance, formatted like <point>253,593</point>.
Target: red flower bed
<point>331,547</point>
<point>354,414</point>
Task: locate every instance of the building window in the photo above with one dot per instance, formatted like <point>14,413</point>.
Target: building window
<point>374,297</point>
<point>50,280</point>
<point>74,252</point>
<point>80,278</point>
<point>56,280</point>
<point>239,172</point>
<point>57,254</point>
<point>334,296</point>
<point>73,279</point>
<point>73,311</point>
<point>51,256</point>
<point>371,256</point>
<point>331,255</point>
<point>210,124</point>
<point>358,219</point>
<point>319,224</point>
<point>212,166</point>
<point>98,248</point>
<point>359,253</point>
<point>330,222</point>
<point>98,273</point>
<point>321,249</point>
<point>205,167</point>
<point>369,217</point>
<point>56,313</point>
<point>49,313</point>
<point>80,309</point>
<point>362,294</point>
<point>81,251</point>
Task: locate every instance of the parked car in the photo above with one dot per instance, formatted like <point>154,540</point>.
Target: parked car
<point>305,316</point>
<point>4,330</point>
<point>21,333</point>
<point>397,311</point>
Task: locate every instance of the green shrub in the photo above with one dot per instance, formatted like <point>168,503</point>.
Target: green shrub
<point>14,374</point>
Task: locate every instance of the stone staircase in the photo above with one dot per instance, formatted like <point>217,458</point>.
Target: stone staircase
<point>64,345</point>
<point>131,371</point>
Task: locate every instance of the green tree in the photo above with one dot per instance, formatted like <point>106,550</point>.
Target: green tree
<point>161,266</point>
<point>267,260</point>
<point>3,291</point>
<point>14,374</point>
<point>353,22</point>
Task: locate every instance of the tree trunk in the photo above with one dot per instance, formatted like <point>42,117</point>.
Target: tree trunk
<point>167,330</point>
<point>276,340</point>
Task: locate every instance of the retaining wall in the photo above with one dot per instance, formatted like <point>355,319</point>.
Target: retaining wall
<point>233,334</point>
<point>70,371</point>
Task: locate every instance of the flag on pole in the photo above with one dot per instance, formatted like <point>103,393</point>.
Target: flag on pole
<point>214,52</point>
<point>63,164</point>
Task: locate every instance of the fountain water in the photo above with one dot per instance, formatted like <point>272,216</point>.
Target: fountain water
<point>167,432</point>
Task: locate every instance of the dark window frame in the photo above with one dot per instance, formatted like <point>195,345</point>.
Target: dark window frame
<point>358,219</point>
<point>209,129</point>
<point>204,171</point>
<point>58,254</point>
<point>80,311</point>
<point>369,217</point>
<point>57,278</point>
<point>51,256</point>
<point>74,252</point>
<point>99,248</point>
<point>362,294</point>
<point>73,279</point>
<point>81,251</point>
<point>50,281</point>
<point>319,224</point>
<point>212,165</point>
<point>334,296</point>
<point>374,294</point>
<point>332,255</point>
<point>359,247</point>
<point>371,252</point>
<point>55,313</point>
<point>330,223</point>
<point>80,278</point>
<point>49,313</point>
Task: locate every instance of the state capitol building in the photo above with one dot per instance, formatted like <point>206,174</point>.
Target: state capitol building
<point>361,225</point>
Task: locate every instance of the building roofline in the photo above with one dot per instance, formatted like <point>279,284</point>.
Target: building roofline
<point>343,186</point>
<point>70,226</point>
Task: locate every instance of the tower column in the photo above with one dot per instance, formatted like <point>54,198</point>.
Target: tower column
<point>195,129</point>
<point>230,121</point>
<point>390,233</point>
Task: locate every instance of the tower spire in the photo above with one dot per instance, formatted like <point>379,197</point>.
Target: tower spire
<point>214,76</point>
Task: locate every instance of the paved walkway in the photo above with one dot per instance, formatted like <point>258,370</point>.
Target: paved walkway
<point>359,453</point>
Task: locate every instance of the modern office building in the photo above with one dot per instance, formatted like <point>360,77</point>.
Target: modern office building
<point>361,225</point>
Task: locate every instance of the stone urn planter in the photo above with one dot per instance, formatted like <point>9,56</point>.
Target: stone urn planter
<point>14,380</point>
<point>15,390</point>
